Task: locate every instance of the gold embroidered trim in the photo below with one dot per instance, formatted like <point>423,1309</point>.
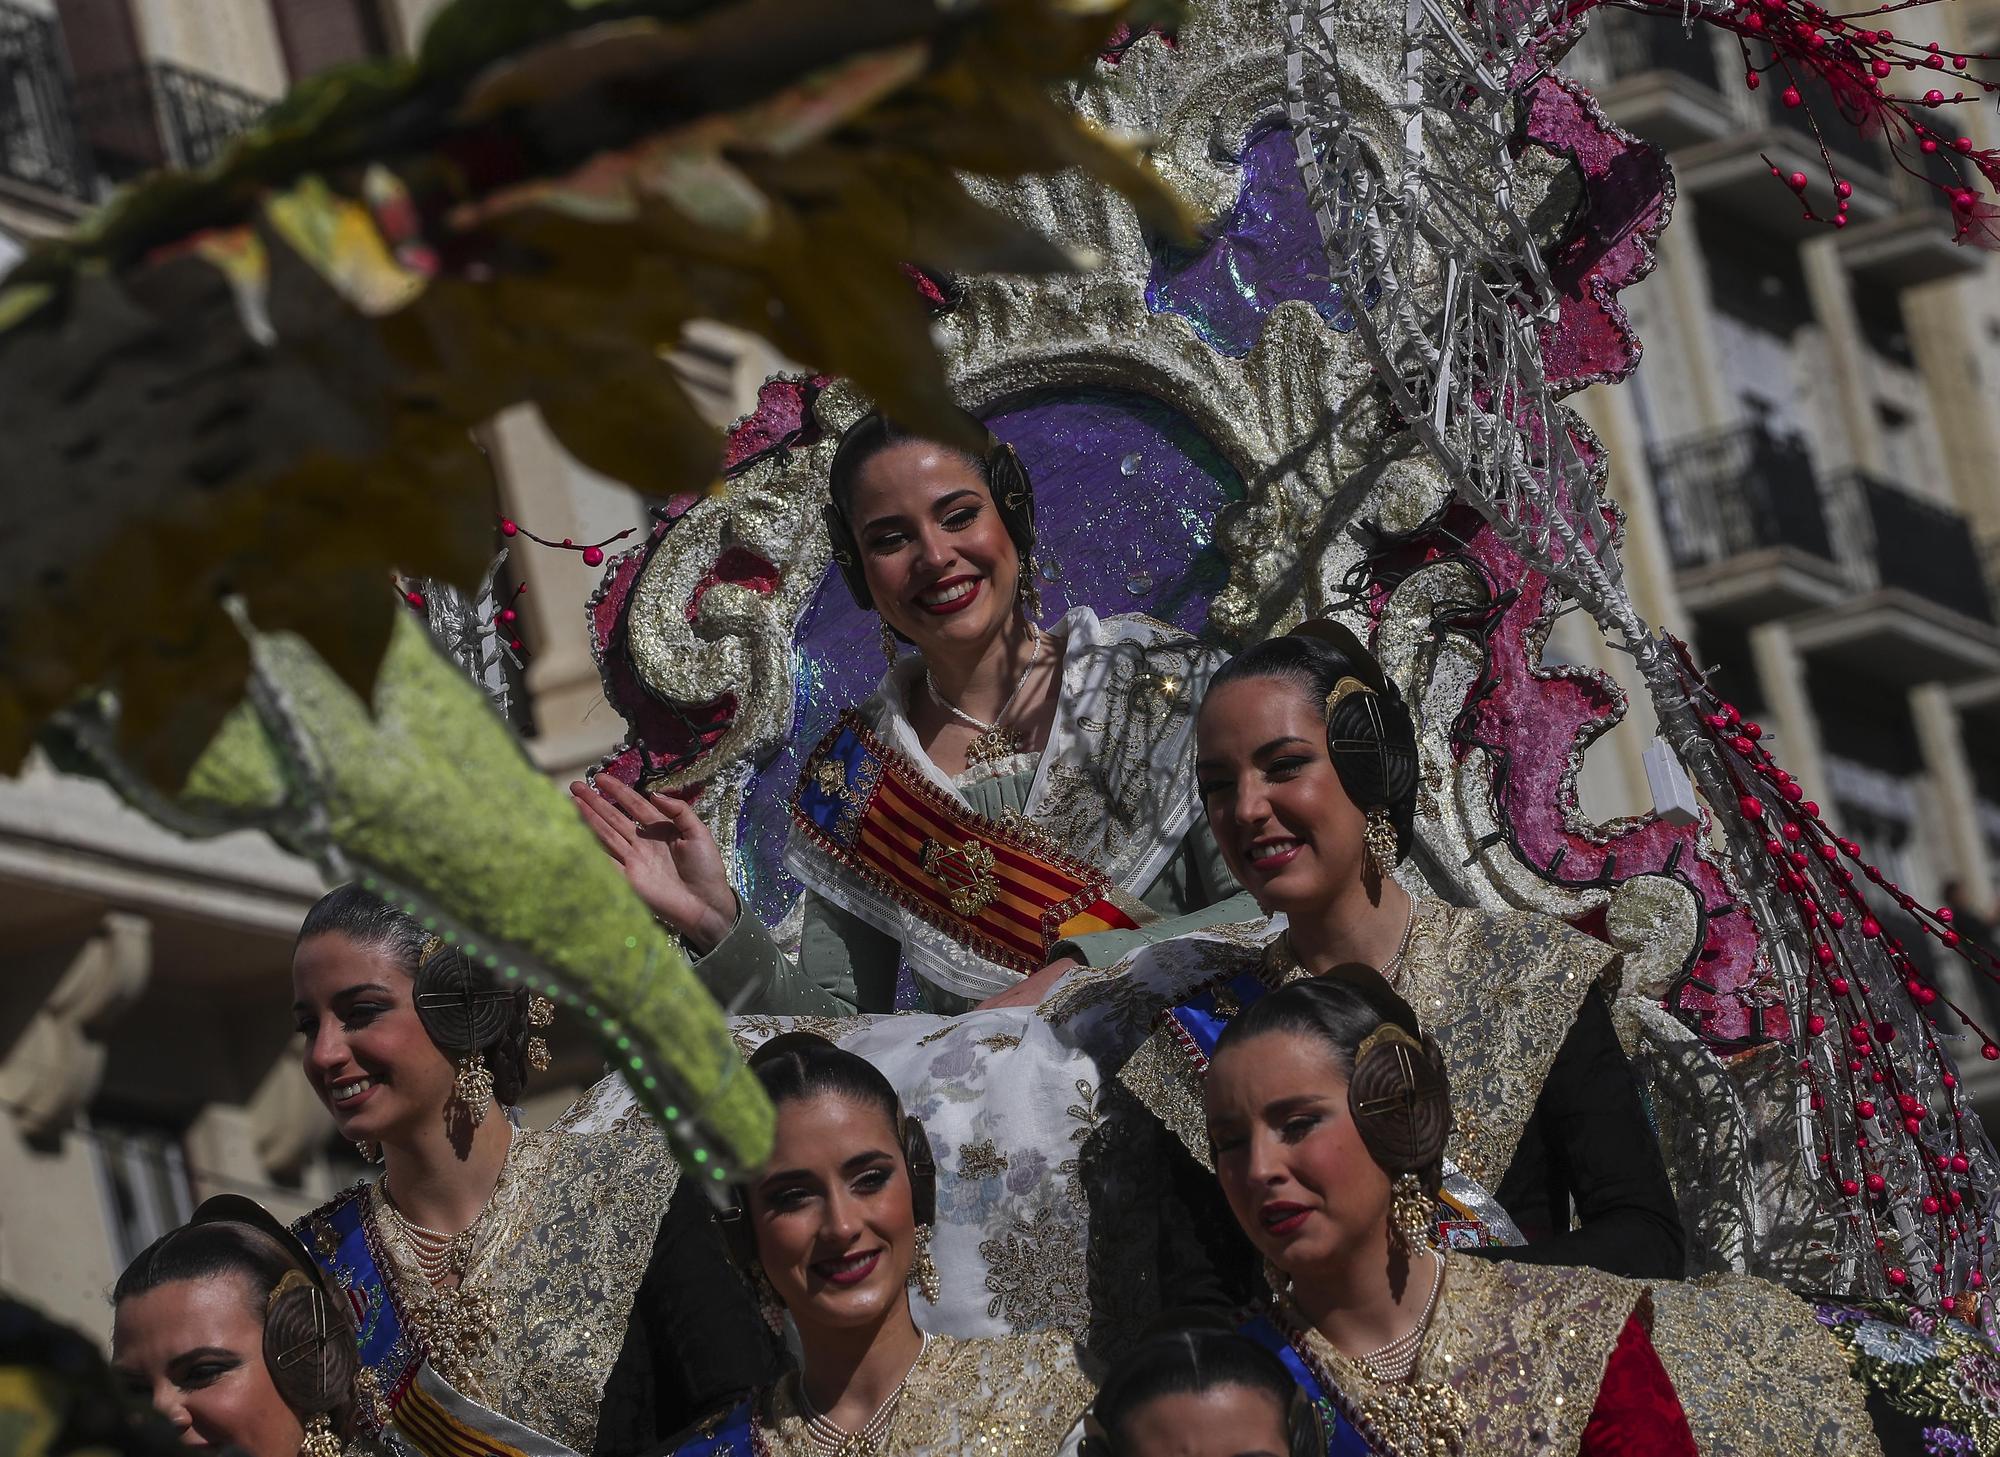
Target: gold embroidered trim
<point>1523,1346</point>
<point>1010,1394</point>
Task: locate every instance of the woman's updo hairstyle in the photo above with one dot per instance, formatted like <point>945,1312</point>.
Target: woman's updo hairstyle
<point>309,1344</point>
<point>1006,481</point>
<point>463,1009</point>
<point>802,1067</point>
<point>1397,1091</point>
<point>1370,735</point>
<point>1191,1362</point>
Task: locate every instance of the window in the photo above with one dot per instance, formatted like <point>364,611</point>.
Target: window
<point>316,34</point>
<point>142,1174</point>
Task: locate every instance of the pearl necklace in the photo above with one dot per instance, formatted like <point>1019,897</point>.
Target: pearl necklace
<point>442,1258</point>
<point>838,1441</point>
<point>992,742</point>
<point>1397,1360</point>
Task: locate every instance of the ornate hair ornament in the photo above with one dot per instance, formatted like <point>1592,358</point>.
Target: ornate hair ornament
<point>308,1347</point>
<point>1400,1101</point>
<point>1372,741</point>
<point>465,1017</point>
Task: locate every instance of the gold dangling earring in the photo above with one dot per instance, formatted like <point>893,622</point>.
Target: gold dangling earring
<point>371,1152</point>
<point>768,1304</point>
<point>1278,1280</point>
<point>1379,838</point>
<point>888,646</point>
<point>541,1013</point>
<point>320,1439</point>
<point>473,1087</point>
<point>1030,591</point>
<point>923,1269</point>
<point>1411,1215</point>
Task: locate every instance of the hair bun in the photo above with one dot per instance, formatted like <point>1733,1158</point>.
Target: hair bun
<point>308,1347</point>
<point>1401,1101</point>
<point>462,1011</point>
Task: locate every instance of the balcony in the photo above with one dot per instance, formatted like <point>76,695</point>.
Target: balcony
<point>39,146</point>
<point>1745,525</point>
<point>1916,545</point>
<point>160,115</point>
<point>1662,80</point>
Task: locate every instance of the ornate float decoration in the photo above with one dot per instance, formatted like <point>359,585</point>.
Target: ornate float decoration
<point>1347,399</point>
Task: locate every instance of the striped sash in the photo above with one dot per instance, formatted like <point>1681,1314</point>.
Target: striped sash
<point>1000,890</point>
<point>403,1390</point>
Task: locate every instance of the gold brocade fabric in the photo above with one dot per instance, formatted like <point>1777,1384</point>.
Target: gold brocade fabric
<point>1524,1348</point>
<point>1498,989</point>
<point>1757,1373</point>
<point>1017,1395</point>
<point>541,1314</point>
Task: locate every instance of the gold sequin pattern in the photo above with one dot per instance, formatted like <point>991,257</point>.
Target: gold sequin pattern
<point>1523,1346</point>
<point>1017,1395</point>
<point>1756,1372</point>
<point>554,1271</point>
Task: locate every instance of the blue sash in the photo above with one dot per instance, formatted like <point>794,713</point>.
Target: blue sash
<point>1343,1439</point>
<point>734,1434</point>
<point>337,1236</point>
<point>1197,1023</point>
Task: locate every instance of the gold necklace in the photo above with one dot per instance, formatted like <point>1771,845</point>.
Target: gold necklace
<point>455,1322</point>
<point>993,742</point>
<point>1285,963</point>
<point>867,1439</point>
<point>1411,1415</point>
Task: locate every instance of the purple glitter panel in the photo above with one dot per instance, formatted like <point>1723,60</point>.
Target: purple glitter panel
<point>1126,493</point>
<point>1268,251</point>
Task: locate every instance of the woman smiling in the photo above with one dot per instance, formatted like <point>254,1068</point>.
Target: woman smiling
<point>1308,770</point>
<point>228,1331</point>
<point>1012,799</point>
<point>533,1292</point>
<point>833,1236</point>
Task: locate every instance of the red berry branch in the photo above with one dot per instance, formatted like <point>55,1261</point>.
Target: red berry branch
<point>1889,1114</point>
<point>1858,60</point>
<point>593,554</point>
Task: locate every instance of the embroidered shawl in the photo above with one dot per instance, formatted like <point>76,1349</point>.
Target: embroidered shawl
<point>1115,785</point>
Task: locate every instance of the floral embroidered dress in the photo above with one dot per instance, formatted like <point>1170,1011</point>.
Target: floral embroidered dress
<point>1533,1358</point>
<point>1546,1113</point>
<point>597,1312</point>
<point>977,880</point>
<point>1018,1395</point>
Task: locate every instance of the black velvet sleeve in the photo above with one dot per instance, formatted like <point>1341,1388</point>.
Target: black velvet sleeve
<point>1589,1145</point>
<point>695,1341</point>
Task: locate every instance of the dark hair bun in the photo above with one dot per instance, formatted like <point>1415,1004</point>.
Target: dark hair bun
<point>1401,1101</point>
<point>309,1347</point>
<point>461,1009</point>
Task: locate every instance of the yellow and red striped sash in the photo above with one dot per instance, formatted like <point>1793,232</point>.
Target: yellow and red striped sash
<point>999,890</point>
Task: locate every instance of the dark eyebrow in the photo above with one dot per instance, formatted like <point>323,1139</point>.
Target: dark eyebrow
<point>1278,743</point>
<point>347,994</point>
<point>852,1166</point>
<point>940,504</point>
<point>1295,1102</point>
<point>201,1353</point>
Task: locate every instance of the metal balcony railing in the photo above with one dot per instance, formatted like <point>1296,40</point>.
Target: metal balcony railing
<point>159,115</point>
<point>39,145</point>
<point>1917,544</point>
<point>1634,43</point>
<point>1739,491</point>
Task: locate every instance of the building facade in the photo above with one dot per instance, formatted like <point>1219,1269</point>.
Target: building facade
<point>1806,459</point>
<point>146,1052</point>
